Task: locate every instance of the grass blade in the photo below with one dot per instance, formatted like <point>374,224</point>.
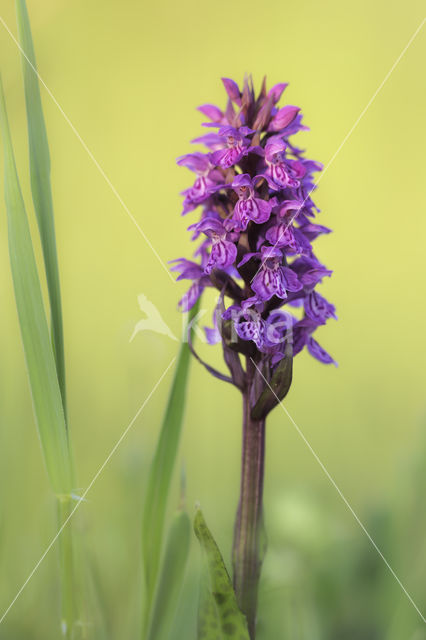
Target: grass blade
<point>41,367</point>
<point>44,385</point>
<point>171,577</point>
<point>161,474</point>
<point>219,615</point>
<point>41,187</point>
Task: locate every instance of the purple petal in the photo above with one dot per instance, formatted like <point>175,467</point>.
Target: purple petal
<point>232,89</point>
<point>280,235</point>
<point>269,179</point>
<point>278,328</point>
<point>264,114</point>
<point>290,279</point>
<point>244,211</point>
<point>319,353</point>
<point>280,176</point>
<point>188,270</point>
<point>210,224</point>
<point>196,194</point>
<point>274,145</point>
<point>318,308</point>
<point>302,243</point>
<point>191,296</point>
<point>284,117</point>
<point>227,158</point>
<point>254,209</point>
<point>313,276</point>
<point>290,205</point>
<point>198,162</point>
<point>242,180</point>
<point>211,140</point>
<point>230,114</point>
<point>300,338</point>
<point>222,255</point>
<point>253,301</point>
<point>259,151</point>
<point>270,252</point>
<point>232,310</point>
<point>313,165</point>
<point>212,334</point>
<point>277,90</point>
<point>250,330</point>
<point>312,231</point>
<point>211,111</point>
<point>268,283</point>
<point>309,270</point>
<point>264,207</point>
<point>298,169</point>
<point>246,131</point>
<point>246,258</point>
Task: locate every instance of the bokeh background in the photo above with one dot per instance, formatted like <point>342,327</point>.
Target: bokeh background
<point>129,75</point>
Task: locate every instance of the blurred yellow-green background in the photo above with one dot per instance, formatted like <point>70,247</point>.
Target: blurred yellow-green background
<point>129,75</point>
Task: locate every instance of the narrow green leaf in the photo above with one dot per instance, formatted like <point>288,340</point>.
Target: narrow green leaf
<point>171,577</point>
<point>41,186</point>
<point>208,623</point>
<point>40,361</point>
<point>219,616</point>
<point>161,472</point>
<point>276,391</point>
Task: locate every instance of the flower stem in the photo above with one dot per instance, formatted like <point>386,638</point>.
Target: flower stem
<point>248,548</point>
<point>66,551</point>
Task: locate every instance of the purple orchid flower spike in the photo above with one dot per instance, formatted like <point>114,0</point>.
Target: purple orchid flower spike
<point>257,223</point>
<point>249,207</point>
<point>255,245</point>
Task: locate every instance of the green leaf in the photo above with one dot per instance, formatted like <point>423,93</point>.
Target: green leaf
<point>171,577</point>
<point>39,357</point>
<point>161,473</point>
<point>276,391</point>
<point>41,187</point>
<point>208,625</point>
<point>219,616</point>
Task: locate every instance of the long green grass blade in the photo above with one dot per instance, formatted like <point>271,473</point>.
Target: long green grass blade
<point>161,474</point>
<point>219,616</point>
<point>171,577</point>
<point>40,361</point>
<point>41,187</point>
